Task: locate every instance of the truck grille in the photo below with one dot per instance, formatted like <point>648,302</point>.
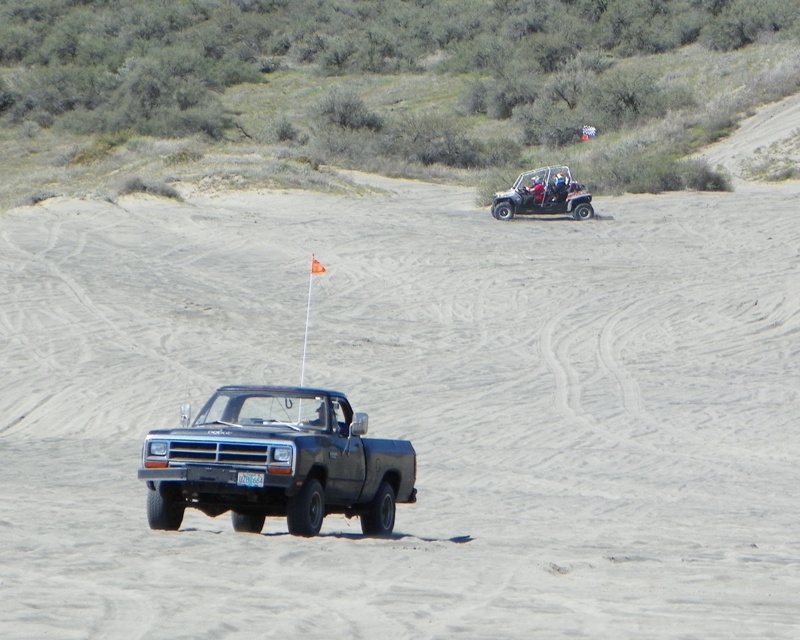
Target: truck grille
<point>218,452</point>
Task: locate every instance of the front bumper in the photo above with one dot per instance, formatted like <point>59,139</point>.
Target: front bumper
<point>225,476</point>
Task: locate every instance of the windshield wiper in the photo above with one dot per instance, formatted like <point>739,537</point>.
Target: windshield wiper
<point>279,423</point>
<point>227,424</point>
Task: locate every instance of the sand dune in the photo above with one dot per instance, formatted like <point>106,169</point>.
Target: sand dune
<point>605,413</point>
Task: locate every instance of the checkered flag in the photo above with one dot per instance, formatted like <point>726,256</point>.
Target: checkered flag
<point>588,132</point>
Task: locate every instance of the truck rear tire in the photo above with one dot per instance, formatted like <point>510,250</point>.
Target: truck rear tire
<point>306,510</point>
<point>247,522</point>
<point>379,518</point>
<point>163,513</point>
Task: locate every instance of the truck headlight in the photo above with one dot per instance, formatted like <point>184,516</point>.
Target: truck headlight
<point>157,448</point>
<point>282,454</point>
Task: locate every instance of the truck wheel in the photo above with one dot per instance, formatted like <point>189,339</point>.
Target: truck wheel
<point>247,522</point>
<point>504,211</point>
<point>306,510</point>
<point>583,212</point>
<point>163,513</point>
<point>379,518</point>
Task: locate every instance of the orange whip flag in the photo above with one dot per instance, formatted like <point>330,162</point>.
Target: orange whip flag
<point>316,265</point>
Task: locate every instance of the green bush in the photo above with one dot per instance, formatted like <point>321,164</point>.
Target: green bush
<point>155,188</point>
<point>285,131</point>
<point>697,175</point>
<point>641,167</point>
<point>342,107</point>
<point>7,97</point>
<point>432,139</point>
<point>621,98</point>
<point>741,23</point>
<point>549,125</point>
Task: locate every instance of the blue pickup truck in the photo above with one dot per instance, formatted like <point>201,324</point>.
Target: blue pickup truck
<point>293,452</point>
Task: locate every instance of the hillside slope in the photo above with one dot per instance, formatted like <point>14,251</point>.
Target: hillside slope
<point>769,139</point>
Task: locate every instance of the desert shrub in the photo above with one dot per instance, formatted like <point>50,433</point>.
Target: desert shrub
<point>550,125</point>
<point>16,42</point>
<point>36,197</point>
<point>698,175</point>
<point>378,50</point>
<point>61,45</point>
<point>517,84</point>
<point>741,23</point>
<point>338,52</point>
<point>7,97</point>
<point>552,51</point>
<point>33,11</point>
<point>567,88</point>
<point>633,27</point>
<point>183,156</point>
<point>474,98</point>
<point>620,98</point>
<point>347,147</point>
<point>307,49</point>
<point>594,61</point>
<point>138,185</point>
<point>57,89</point>
<point>96,150</point>
<point>484,53</point>
<point>531,19</point>
<point>285,131</point>
<point>646,167</point>
<point>434,139</point>
<point>342,107</point>
<point>496,100</point>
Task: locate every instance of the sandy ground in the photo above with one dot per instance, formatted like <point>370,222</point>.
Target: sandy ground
<point>605,413</point>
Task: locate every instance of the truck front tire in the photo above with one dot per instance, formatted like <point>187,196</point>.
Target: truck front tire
<point>247,522</point>
<point>163,513</point>
<point>379,518</point>
<point>306,510</point>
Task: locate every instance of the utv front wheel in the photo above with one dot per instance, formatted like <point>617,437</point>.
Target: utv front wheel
<point>379,518</point>
<point>162,512</point>
<point>583,212</point>
<point>504,211</point>
<point>306,510</point>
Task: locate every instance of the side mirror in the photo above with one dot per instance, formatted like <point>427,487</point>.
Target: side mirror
<point>359,425</point>
<point>186,414</point>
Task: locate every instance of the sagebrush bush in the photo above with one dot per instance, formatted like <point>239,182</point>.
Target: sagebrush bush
<point>343,107</point>
<point>698,175</point>
<point>432,139</point>
<point>138,185</point>
<point>285,131</point>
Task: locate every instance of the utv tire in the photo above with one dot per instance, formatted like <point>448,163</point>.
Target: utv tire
<point>583,212</point>
<point>306,510</point>
<point>162,513</point>
<point>247,522</point>
<point>504,211</point>
<point>379,518</point>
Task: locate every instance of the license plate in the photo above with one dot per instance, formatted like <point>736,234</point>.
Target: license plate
<point>250,479</point>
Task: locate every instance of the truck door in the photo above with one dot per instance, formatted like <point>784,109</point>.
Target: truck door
<point>346,460</point>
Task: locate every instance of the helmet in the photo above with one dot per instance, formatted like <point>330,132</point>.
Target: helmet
<point>536,180</point>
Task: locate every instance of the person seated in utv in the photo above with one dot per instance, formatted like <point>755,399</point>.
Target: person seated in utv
<point>560,188</point>
<point>536,190</point>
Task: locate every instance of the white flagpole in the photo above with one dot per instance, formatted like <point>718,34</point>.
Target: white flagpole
<point>308,318</point>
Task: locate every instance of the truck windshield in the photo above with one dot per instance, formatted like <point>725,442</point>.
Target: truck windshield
<point>267,410</point>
